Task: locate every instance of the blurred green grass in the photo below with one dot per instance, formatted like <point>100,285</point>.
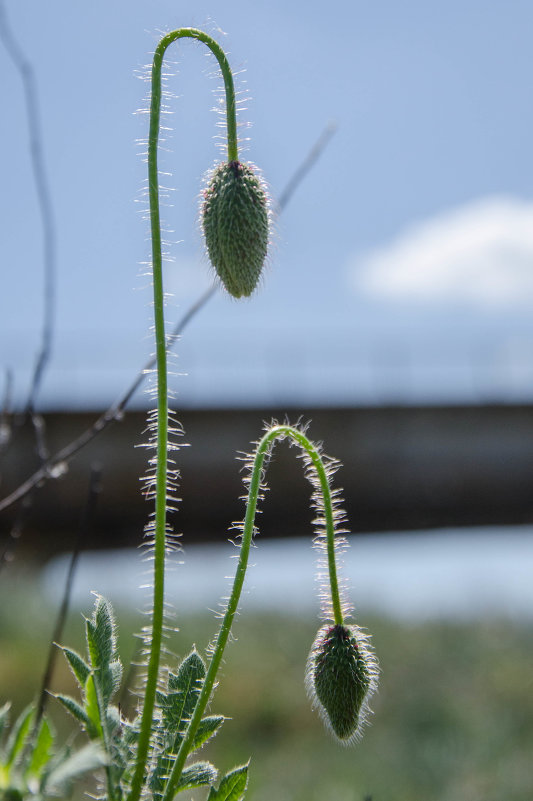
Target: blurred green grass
<point>453,718</point>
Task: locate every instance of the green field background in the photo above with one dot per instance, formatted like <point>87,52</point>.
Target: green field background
<point>453,719</point>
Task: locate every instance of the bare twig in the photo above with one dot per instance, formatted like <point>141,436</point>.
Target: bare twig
<point>311,159</point>
<point>29,83</point>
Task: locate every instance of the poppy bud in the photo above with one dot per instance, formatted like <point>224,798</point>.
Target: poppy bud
<point>341,677</point>
<point>235,223</point>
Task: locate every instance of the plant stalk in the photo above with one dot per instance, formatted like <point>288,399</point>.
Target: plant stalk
<point>161,479</point>
<point>278,431</point>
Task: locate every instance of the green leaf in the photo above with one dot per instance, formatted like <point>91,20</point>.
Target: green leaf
<point>113,721</point>
<point>92,709</point>
<point>232,787</point>
<point>183,691</point>
<point>100,632</point>
<point>197,775</point>
<point>206,729</point>
<point>78,666</point>
<point>108,679</point>
<point>101,644</point>
<point>18,735</point>
<point>115,670</point>
<point>177,706</point>
<point>87,759</point>
<point>79,713</point>
<point>192,669</point>
<point>130,732</point>
<point>42,750</point>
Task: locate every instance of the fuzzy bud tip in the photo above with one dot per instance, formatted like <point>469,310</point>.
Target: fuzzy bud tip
<point>341,677</point>
<point>235,222</point>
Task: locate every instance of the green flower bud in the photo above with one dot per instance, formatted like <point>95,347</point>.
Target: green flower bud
<point>235,223</point>
<point>341,676</point>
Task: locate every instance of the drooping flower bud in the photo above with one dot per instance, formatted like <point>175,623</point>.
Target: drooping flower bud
<point>341,676</point>
<point>235,223</point>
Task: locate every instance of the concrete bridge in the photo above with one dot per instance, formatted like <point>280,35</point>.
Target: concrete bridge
<point>403,468</point>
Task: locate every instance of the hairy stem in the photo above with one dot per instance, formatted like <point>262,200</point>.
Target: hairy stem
<point>161,478</point>
<point>263,448</point>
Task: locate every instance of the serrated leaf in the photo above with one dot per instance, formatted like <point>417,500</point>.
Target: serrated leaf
<point>104,619</point>
<point>100,632</point>
<point>159,774</point>
<point>115,669</point>
<point>108,679</point>
<point>92,644</point>
<point>130,732</point>
<point>197,775</point>
<point>79,713</point>
<point>232,787</point>
<point>177,706</point>
<point>207,728</point>
<point>92,708</point>
<point>183,690</point>
<point>87,759</point>
<point>78,666</point>
<point>113,721</point>
<point>42,750</point>
<point>191,669</point>
<point>18,735</point>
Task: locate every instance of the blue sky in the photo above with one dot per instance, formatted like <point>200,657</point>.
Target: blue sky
<point>401,271</point>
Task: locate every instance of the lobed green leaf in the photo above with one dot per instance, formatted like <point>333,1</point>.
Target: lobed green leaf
<point>207,728</point>
<point>232,787</point>
<point>100,632</point>
<point>178,704</point>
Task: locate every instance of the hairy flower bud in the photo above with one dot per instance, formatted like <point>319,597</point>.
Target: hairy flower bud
<point>341,676</point>
<point>235,223</point>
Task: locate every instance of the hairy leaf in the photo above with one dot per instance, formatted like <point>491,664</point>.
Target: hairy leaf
<point>78,665</point>
<point>80,714</point>
<point>232,787</point>
<point>184,688</point>
<point>100,631</point>
<point>207,728</point>
<point>197,775</point>
<point>115,672</point>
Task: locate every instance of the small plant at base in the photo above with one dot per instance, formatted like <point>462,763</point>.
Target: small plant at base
<point>31,768</point>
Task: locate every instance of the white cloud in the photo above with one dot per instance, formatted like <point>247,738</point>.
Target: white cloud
<point>480,254</point>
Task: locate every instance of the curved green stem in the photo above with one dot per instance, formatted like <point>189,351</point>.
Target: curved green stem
<point>263,448</point>
<point>162,388</point>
